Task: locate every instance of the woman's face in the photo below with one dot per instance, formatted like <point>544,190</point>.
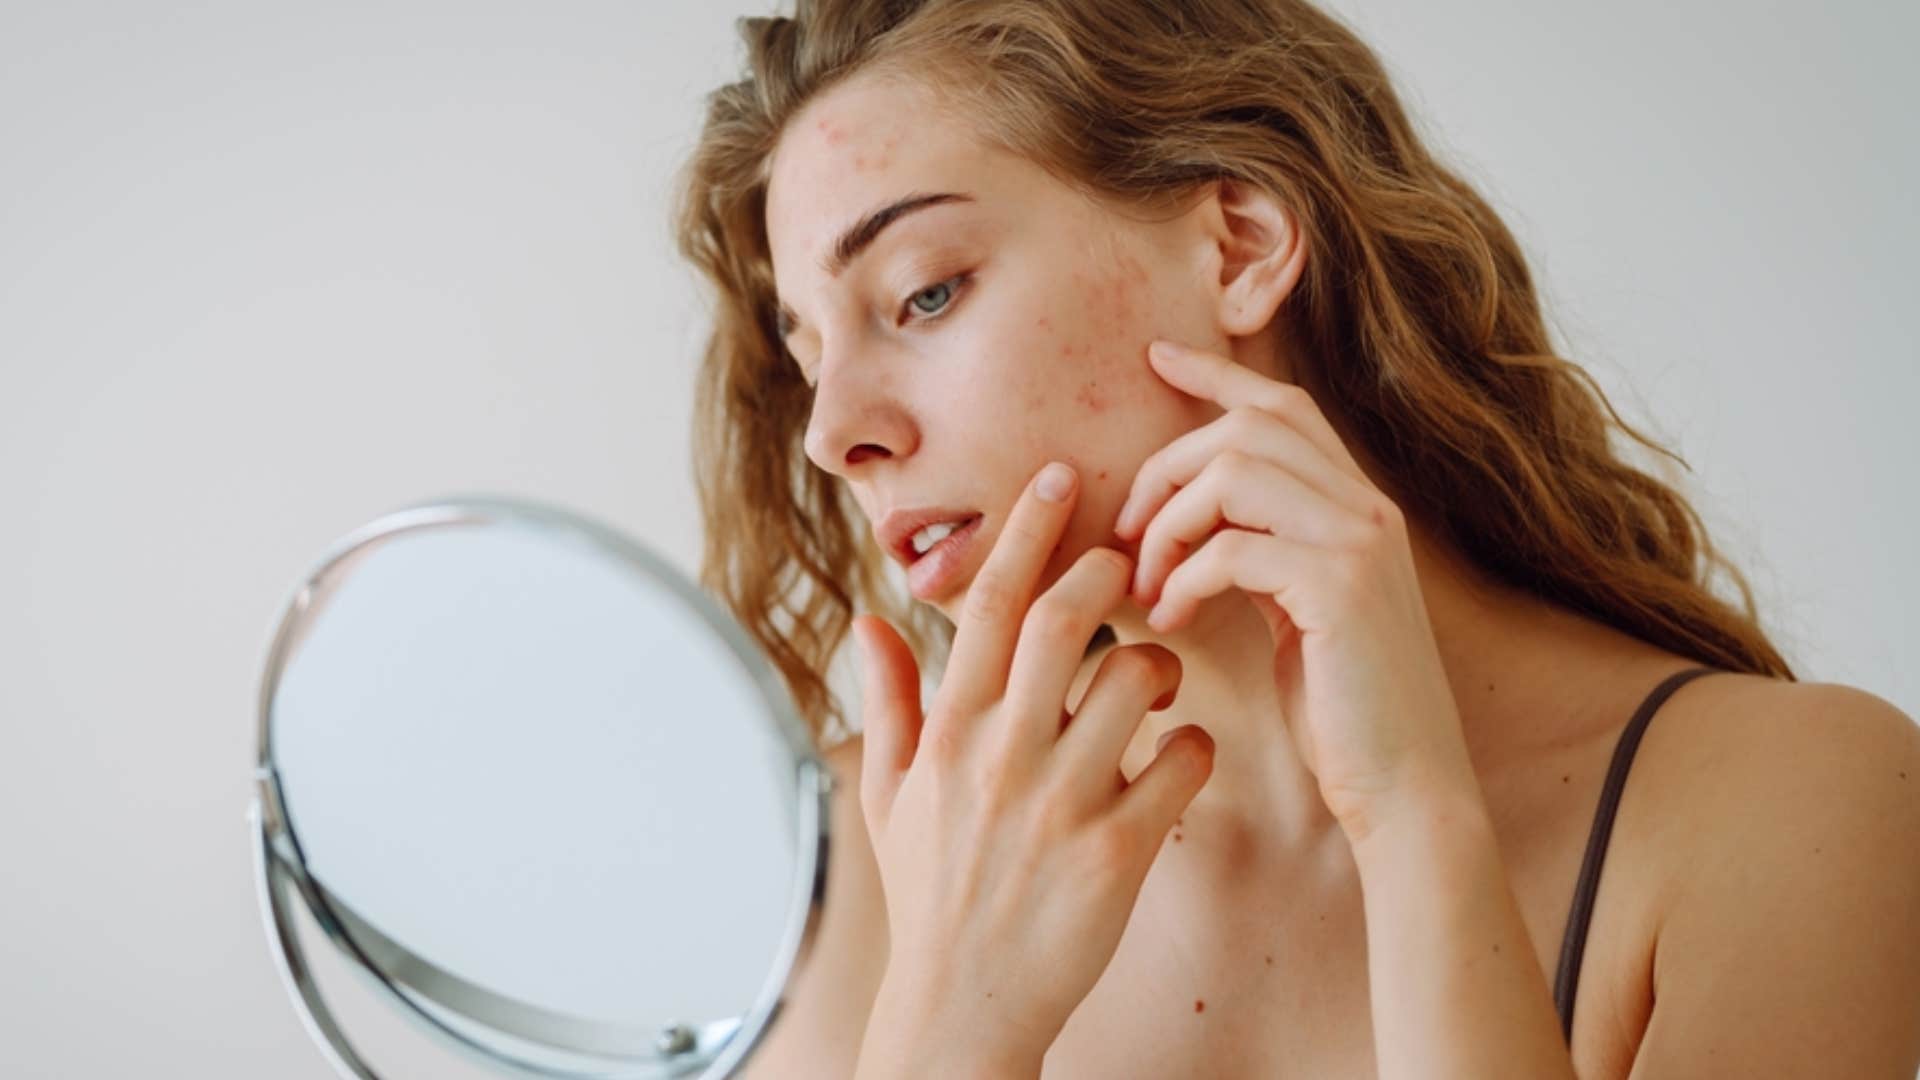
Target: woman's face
<point>976,339</point>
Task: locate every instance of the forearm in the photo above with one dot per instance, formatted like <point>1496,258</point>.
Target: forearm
<point>1456,988</point>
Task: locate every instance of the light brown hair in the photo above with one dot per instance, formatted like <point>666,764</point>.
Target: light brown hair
<point>1416,308</point>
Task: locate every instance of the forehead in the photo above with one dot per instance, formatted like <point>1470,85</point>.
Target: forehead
<point>864,143</point>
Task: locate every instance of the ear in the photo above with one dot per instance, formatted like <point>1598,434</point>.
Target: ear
<point>1259,250</point>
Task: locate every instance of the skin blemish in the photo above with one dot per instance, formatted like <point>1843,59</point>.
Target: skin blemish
<point>1130,279</point>
<point>1269,961</point>
<point>1199,1006</point>
<point>1568,779</point>
<point>1121,299</point>
<point>1177,838</point>
<point>1091,398</point>
<point>1103,476</point>
<point>1044,323</point>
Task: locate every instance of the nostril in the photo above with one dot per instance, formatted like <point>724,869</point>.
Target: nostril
<point>864,451</point>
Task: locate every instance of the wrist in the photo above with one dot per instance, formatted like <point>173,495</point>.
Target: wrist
<point>916,1031</point>
<point>1427,812</point>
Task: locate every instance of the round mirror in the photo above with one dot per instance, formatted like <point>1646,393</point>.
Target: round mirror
<point>536,788</point>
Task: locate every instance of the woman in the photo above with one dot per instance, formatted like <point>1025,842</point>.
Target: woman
<point>1278,708</point>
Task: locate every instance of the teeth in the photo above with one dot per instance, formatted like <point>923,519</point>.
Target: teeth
<point>924,540</point>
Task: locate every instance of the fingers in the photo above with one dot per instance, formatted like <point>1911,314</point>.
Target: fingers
<point>1247,430</point>
<point>1232,386</point>
<point>1053,640</point>
<point>1236,489</point>
<point>989,625</point>
<point>890,714</point>
<point>1132,681</point>
<point>1161,793</point>
<point>1263,565</point>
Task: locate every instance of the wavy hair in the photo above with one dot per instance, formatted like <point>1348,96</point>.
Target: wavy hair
<point>1416,308</point>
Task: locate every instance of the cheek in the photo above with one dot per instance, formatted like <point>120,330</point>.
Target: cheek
<point>1083,386</point>
<point>1105,349</point>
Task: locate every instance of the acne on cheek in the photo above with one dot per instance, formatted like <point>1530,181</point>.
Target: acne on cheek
<point>1113,299</point>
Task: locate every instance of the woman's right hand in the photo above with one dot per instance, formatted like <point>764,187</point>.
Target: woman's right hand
<point>1010,846</point>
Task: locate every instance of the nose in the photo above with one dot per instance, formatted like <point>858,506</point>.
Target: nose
<point>857,419</point>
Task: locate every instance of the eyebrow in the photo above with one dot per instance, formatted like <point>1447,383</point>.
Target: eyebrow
<point>861,236</point>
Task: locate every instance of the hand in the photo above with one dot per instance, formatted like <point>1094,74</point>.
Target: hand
<point>1011,848</point>
<point>1267,500</point>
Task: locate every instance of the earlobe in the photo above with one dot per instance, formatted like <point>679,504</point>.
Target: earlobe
<point>1262,256</point>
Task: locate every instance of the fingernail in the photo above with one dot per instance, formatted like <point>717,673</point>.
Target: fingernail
<point>1163,350</point>
<point>1160,743</point>
<point>1056,480</point>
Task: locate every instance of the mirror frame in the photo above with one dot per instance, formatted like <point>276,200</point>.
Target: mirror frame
<point>711,1050</point>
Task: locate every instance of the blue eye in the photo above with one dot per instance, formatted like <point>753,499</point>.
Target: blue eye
<point>940,295</point>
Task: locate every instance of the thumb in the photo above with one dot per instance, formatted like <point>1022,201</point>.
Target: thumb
<point>889,713</point>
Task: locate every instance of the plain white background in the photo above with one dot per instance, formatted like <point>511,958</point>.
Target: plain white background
<point>269,271</point>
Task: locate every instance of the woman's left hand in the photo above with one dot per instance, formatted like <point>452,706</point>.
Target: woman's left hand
<point>1267,499</point>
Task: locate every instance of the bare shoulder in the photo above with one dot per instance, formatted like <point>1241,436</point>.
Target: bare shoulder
<point>1748,745</point>
<point>1753,766</point>
<point>824,1015</point>
<point>1787,816</point>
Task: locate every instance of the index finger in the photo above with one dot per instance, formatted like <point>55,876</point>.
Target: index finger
<point>1230,385</point>
<point>997,601</point>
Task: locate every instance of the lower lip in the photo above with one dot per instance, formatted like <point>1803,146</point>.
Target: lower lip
<point>932,574</point>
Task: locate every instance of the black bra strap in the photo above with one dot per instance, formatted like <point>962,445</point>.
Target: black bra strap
<point>1574,945</point>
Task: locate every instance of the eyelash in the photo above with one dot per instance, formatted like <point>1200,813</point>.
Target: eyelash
<point>959,282</point>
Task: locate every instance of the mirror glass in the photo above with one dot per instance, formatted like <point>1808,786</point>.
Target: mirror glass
<point>539,789</point>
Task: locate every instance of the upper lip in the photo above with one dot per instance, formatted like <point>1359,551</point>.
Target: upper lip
<point>895,531</point>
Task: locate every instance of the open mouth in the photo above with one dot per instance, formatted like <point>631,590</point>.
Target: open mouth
<point>940,554</point>
<point>922,543</point>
